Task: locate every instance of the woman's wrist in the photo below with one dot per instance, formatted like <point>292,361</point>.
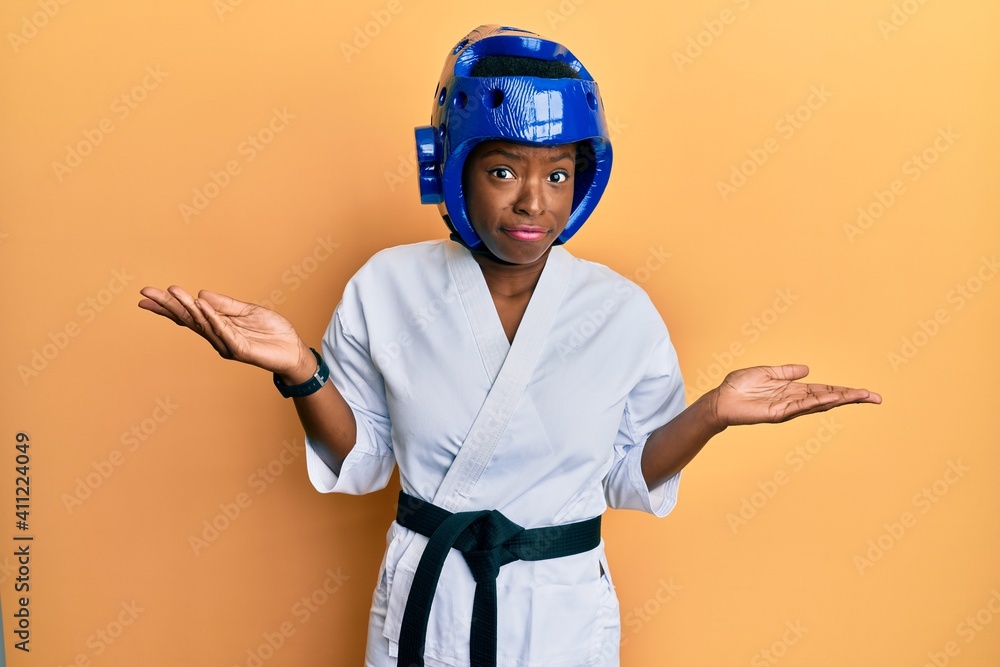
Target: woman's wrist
<point>709,412</point>
<point>304,369</point>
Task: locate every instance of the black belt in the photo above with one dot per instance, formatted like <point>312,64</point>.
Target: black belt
<point>488,540</point>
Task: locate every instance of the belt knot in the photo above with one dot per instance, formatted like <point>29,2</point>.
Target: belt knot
<point>484,544</point>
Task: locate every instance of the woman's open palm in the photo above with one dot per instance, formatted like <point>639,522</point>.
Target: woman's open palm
<point>770,394</point>
<point>236,329</point>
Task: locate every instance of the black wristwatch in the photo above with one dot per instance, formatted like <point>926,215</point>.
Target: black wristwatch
<point>310,386</point>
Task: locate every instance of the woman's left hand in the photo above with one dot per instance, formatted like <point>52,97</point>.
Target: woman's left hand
<point>770,394</point>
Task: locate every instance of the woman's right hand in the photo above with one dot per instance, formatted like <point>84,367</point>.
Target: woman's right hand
<point>236,329</point>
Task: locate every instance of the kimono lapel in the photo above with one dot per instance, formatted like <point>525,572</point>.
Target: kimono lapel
<point>482,313</point>
<point>515,367</point>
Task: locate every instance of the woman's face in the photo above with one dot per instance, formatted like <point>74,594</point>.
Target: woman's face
<point>519,197</point>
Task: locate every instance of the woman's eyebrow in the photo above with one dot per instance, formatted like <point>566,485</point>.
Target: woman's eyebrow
<point>520,158</point>
<point>500,151</point>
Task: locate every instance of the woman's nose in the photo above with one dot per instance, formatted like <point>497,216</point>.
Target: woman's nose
<point>530,199</point>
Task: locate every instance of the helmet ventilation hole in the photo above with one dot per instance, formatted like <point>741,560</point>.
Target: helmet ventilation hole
<point>592,101</point>
<point>443,96</point>
<point>493,98</point>
<point>461,99</point>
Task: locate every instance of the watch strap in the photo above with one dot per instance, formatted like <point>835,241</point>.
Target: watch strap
<point>310,386</point>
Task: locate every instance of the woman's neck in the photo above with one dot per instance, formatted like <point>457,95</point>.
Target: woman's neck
<point>511,280</point>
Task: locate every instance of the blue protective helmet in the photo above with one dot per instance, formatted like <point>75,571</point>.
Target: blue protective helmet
<point>468,110</point>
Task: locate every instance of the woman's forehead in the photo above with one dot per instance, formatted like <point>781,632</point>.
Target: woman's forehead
<point>526,152</point>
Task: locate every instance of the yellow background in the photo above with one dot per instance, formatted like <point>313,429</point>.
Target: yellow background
<point>693,90</point>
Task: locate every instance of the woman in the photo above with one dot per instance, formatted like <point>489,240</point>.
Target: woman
<point>520,390</point>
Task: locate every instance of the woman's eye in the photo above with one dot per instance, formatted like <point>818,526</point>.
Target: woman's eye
<point>502,172</point>
<point>559,177</point>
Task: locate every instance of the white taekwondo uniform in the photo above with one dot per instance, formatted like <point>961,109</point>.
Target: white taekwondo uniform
<point>415,347</point>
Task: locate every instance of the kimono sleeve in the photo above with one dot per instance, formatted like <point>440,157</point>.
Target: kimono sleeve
<point>654,401</point>
<point>369,465</point>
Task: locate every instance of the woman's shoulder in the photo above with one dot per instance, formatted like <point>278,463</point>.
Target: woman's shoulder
<point>406,263</point>
<point>599,288</point>
<point>601,279</point>
<point>407,254</point>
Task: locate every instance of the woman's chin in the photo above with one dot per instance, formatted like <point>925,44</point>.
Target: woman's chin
<point>522,254</point>
<point>515,251</point>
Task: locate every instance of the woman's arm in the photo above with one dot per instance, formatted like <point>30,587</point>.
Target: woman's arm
<point>327,419</point>
<point>762,394</point>
<point>261,337</point>
<point>672,446</point>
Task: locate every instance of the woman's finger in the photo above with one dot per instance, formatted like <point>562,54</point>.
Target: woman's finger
<point>846,394</point>
<point>166,301</point>
<point>196,320</point>
<point>173,302</point>
<point>789,371</point>
<point>823,401</point>
<point>222,304</point>
<point>153,307</point>
<point>220,328</point>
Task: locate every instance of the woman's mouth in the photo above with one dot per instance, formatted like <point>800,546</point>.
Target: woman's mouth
<point>525,232</point>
